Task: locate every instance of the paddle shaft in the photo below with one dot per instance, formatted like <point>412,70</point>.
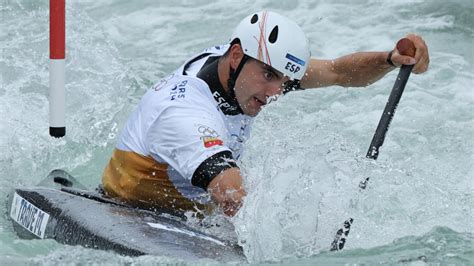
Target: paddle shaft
<point>405,47</point>
<point>389,111</point>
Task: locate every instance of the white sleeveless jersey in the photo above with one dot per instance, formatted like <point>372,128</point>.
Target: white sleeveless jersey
<point>178,122</point>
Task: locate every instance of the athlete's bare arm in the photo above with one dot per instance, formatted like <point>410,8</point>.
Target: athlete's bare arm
<point>354,70</point>
<point>227,191</point>
<point>362,68</point>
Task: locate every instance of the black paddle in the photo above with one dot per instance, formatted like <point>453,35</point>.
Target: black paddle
<point>404,47</point>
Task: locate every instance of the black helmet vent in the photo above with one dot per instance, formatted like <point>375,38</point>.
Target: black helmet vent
<point>254,19</point>
<point>273,35</point>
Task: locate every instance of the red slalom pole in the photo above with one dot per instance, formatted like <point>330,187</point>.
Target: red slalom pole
<point>57,56</point>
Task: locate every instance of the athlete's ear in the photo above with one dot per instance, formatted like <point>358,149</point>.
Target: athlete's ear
<point>236,54</point>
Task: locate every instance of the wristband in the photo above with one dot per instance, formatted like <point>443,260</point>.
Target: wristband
<point>389,59</point>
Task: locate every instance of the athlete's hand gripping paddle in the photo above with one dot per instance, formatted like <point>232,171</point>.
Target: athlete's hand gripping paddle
<point>404,47</point>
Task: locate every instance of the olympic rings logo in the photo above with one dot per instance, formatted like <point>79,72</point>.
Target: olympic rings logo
<point>207,131</point>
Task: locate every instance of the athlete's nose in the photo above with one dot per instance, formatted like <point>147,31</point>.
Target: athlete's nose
<point>273,90</point>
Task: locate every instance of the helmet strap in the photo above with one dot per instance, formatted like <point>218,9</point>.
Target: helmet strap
<point>233,75</point>
<point>233,78</point>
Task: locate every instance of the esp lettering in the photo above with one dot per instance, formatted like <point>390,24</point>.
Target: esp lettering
<point>292,67</point>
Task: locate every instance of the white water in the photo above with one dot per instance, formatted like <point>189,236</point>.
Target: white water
<point>305,157</point>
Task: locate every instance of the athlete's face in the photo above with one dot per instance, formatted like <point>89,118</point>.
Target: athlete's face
<point>256,83</point>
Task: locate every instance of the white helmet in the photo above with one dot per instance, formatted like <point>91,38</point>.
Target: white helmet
<point>276,41</point>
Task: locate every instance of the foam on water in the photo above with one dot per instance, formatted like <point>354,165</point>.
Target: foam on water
<point>305,157</point>
<point>305,184</point>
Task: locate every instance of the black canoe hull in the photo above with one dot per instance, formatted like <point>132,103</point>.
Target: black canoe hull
<point>58,209</point>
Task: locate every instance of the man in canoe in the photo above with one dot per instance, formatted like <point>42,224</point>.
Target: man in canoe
<point>180,147</point>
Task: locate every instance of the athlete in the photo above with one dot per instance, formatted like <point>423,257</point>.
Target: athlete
<point>179,149</point>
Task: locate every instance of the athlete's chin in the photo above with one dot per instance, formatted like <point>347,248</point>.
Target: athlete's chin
<point>253,114</point>
<point>252,111</point>
<point>252,107</point>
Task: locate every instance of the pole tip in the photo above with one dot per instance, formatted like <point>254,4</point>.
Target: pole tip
<point>57,132</point>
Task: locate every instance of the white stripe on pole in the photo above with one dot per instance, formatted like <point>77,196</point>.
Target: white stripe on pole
<point>57,94</point>
<point>57,55</point>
